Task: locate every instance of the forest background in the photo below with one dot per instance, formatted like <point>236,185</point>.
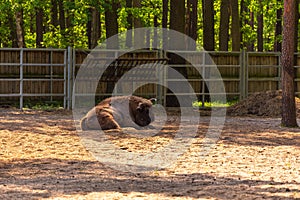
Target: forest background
<point>219,25</point>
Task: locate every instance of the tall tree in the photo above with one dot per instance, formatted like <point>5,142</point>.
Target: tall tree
<point>69,9</point>
<point>177,23</point>
<point>112,26</point>
<point>89,27</point>
<point>129,23</point>
<point>287,61</point>
<point>13,30</point>
<point>165,12</point>
<point>260,27</point>
<point>54,13</point>
<point>62,19</point>
<point>155,36</point>
<point>208,25</point>
<point>235,26</point>
<point>93,27</point>
<point>297,16</point>
<point>66,18</point>
<point>111,23</point>
<point>224,26</point>
<point>251,23</point>
<point>208,37</point>
<point>155,39</point>
<point>249,44</point>
<point>177,15</point>
<point>192,20</point>
<point>139,35</point>
<point>278,28</point>
<point>39,26</point>
<point>20,28</point>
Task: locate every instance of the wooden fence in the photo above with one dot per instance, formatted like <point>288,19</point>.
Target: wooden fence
<point>28,75</point>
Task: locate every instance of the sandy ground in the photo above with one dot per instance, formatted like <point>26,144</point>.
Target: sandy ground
<point>42,157</point>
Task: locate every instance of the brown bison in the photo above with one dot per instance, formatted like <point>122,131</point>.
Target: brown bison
<point>118,112</point>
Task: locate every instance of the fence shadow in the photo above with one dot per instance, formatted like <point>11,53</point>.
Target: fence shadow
<point>44,178</point>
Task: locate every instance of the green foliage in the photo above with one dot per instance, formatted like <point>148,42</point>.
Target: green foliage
<point>76,18</point>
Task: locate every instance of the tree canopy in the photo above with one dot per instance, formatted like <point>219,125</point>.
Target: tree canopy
<point>254,25</point>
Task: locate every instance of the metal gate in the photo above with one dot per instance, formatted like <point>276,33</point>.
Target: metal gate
<point>35,73</point>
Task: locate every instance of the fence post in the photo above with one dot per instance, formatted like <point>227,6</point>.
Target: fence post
<point>65,80</point>
<point>243,75</point>
<point>246,56</point>
<point>160,94</point>
<point>165,79</point>
<point>51,78</point>
<point>21,78</point>
<point>69,76</point>
<point>203,79</point>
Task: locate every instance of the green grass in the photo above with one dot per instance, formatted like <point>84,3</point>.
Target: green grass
<point>43,106</point>
<point>214,104</point>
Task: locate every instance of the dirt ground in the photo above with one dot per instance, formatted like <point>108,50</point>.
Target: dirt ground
<point>42,157</point>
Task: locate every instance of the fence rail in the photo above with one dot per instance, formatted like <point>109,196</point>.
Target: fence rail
<point>49,74</point>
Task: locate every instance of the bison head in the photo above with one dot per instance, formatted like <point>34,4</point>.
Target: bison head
<point>143,115</point>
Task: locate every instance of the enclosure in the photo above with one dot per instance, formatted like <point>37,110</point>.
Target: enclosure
<point>43,157</point>
<point>47,75</point>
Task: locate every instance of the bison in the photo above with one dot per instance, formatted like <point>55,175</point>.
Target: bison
<point>118,112</point>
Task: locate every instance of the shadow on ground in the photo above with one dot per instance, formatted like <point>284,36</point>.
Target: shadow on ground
<point>42,178</point>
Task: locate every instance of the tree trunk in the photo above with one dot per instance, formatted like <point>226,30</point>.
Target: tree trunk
<point>194,20</point>
<point>177,16</point>
<point>54,13</point>
<point>93,27</point>
<point>62,19</point>
<point>165,22</point>
<point>177,23</point>
<point>155,36</point>
<point>111,23</point>
<point>66,20</point>
<point>13,31</point>
<point>129,22</point>
<point>296,26</point>
<point>147,39</point>
<point>191,21</point>
<point>224,26</point>
<point>278,29</point>
<point>96,28</point>
<point>287,59</point>
<point>19,29</point>
<point>89,27</point>
<point>208,25</point>
<point>188,18</point>
<point>39,27</point>
<point>235,26</point>
<point>68,15</point>
<point>260,27</point>
<point>138,36</point>
<point>250,45</point>
<point>208,37</point>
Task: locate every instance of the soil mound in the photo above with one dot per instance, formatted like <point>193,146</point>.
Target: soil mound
<point>266,104</point>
